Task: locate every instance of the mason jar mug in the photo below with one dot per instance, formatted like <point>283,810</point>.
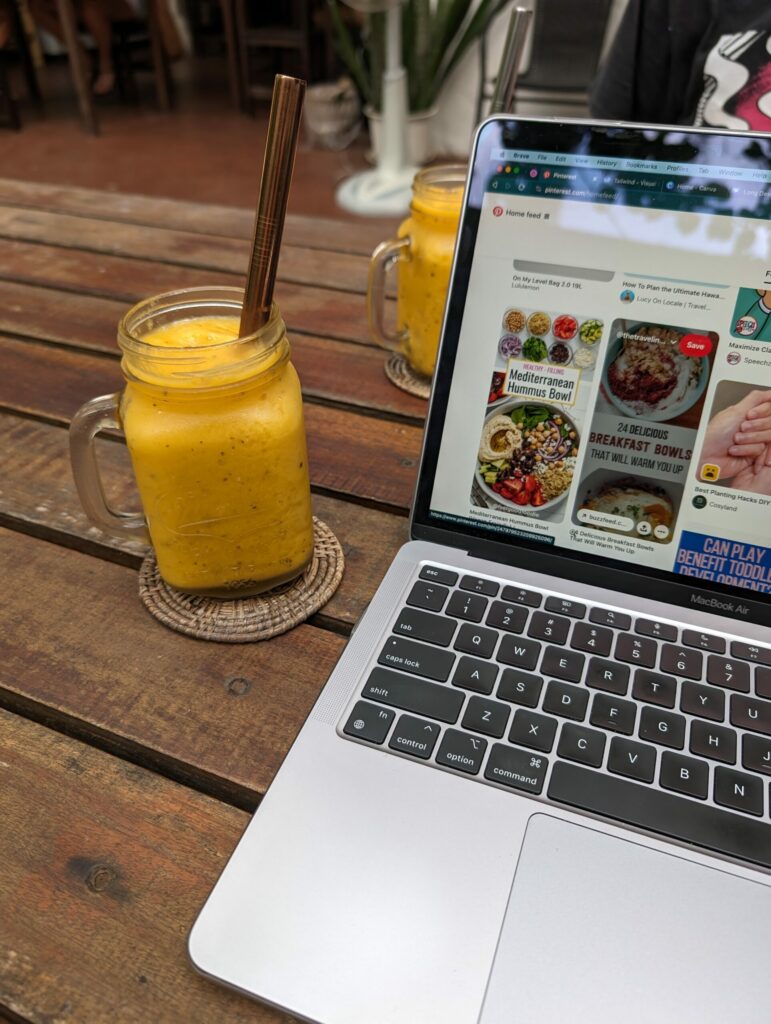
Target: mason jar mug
<point>214,427</point>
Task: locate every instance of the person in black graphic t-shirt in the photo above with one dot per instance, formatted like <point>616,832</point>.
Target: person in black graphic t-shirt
<point>702,62</point>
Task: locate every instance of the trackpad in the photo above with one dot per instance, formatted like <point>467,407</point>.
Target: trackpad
<point>601,930</point>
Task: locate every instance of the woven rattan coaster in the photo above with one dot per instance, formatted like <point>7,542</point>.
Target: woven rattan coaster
<point>400,373</point>
<point>242,619</point>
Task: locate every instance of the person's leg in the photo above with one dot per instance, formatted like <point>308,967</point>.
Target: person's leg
<point>5,24</point>
<point>98,16</point>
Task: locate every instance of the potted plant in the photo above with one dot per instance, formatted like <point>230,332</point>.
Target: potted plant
<point>436,35</point>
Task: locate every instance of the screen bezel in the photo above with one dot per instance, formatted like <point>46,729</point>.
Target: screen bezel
<point>612,139</point>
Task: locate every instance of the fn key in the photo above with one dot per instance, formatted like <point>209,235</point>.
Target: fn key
<point>369,722</point>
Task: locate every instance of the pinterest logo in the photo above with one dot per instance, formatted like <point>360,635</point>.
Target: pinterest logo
<point>497,211</point>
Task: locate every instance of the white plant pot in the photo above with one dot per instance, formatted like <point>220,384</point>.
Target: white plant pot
<point>331,114</point>
<point>420,143</point>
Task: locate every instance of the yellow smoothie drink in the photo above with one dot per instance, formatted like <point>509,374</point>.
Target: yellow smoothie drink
<point>425,274</point>
<point>217,441</point>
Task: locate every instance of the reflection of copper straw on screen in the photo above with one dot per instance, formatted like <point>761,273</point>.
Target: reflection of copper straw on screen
<point>277,167</point>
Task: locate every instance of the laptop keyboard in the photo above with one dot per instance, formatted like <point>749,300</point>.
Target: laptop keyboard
<point>662,727</point>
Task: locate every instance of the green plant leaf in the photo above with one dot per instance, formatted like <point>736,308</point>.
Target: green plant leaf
<point>447,21</point>
<point>476,28</point>
<point>421,45</point>
<point>348,54</point>
<point>436,35</point>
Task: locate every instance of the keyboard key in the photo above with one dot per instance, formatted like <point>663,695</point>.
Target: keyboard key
<point>704,701</point>
<point>507,616</point>
<point>751,652</point>
<point>563,606</point>
<point>475,675</point>
<point>549,627</point>
<point>562,664</point>
<point>518,652</point>
<point>608,676</point>
<point>476,640</point>
<point>414,736</point>
<point>692,822</point>
<point>532,730</point>
<point>594,639</point>
<point>684,775</point>
<point>756,754</point>
<point>654,688</point>
<point>750,713</point>
<point>518,595</point>
<point>566,700</point>
<point>613,713</point>
<point>487,716</point>
<point>681,661</point>
<point>577,743</point>
<point>663,727</point>
<point>429,596</point>
<point>467,606</point>
<point>461,751</point>
<point>737,790</point>
<point>729,673</point>
<point>658,630</point>
<point>610,617</point>
<point>520,687</point>
<point>635,760</point>
<point>713,741</point>
<point>479,585</point>
<point>416,695</point>
<point>636,650</point>
<point>417,659</point>
<point>435,629</point>
<point>518,769</point>
<point>436,574</point>
<point>763,682</point>
<point>369,722</point>
<point>704,641</point>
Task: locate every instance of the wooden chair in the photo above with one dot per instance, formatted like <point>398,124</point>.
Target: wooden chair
<point>270,30</point>
<point>138,44</point>
<point>19,46</point>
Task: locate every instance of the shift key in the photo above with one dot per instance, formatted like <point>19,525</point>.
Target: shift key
<point>417,659</point>
<point>414,695</point>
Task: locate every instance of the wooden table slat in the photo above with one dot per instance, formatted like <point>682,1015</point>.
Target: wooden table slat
<point>341,271</point>
<point>350,454</point>
<point>359,236</point>
<point>45,312</point>
<point>103,868</point>
<point>38,496</point>
<point>330,369</point>
<point>111,672</point>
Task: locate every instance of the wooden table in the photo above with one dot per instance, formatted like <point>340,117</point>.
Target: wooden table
<point>131,756</point>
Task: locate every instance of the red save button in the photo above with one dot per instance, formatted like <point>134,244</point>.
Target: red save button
<point>695,345</point>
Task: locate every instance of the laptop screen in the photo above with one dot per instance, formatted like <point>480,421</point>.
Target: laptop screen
<point>604,384</point>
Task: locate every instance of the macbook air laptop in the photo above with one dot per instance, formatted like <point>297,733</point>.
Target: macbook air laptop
<point>535,789</point>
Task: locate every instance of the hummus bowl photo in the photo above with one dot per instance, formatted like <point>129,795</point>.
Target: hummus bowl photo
<point>527,456</point>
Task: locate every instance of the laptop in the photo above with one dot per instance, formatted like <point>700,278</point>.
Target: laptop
<point>535,788</point>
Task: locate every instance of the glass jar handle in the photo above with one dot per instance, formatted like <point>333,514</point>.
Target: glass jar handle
<point>86,423</point>
<point>383,258</point>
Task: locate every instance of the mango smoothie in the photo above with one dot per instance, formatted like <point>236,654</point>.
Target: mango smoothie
<point>217,443</point>
<point>424,275</point>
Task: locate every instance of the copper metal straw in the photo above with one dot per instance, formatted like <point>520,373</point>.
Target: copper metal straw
<point>503,98</point>
<point>280,149</point>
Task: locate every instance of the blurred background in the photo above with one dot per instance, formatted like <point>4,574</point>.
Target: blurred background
<point>185,112</point>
